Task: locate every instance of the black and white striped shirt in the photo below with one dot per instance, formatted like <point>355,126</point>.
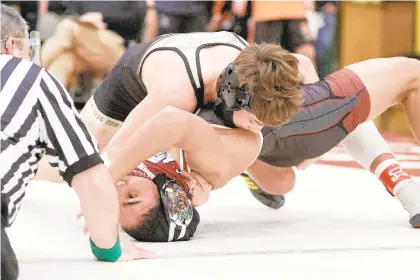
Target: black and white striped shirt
<point>38,117</point>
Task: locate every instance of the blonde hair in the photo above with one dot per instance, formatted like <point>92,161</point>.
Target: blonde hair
<point>272,76</point>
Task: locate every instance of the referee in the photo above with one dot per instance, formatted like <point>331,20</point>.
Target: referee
<point>37,117</point>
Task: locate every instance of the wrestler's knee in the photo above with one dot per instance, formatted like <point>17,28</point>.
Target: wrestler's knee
<point>413,65</point>
<point>274,180</point>
<point>411,68</point>
<point>281,183</point>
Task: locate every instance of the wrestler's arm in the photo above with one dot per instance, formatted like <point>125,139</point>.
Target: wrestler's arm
<point>172,127</point>
<point>166,86</point>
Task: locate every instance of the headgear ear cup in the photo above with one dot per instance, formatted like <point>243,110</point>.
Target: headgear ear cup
<point>231,97</point>
<point>157,229</point>
<point>173,218</point>
<point>193,225</point>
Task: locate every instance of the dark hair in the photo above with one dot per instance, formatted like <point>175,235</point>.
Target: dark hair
<point>273,78</point>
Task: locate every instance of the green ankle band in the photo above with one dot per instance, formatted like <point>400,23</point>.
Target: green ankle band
<point>107,255</point>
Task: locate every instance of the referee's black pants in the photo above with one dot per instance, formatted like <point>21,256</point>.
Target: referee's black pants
<point>9,264</point>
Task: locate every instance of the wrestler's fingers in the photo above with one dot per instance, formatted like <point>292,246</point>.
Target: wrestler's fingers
<point>201,180</point>
<point>192,182</point>
<point>85,228</point>
<point>186,174</point>
<point>133,252</point>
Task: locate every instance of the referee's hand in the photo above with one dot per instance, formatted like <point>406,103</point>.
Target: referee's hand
<point>130,251</point>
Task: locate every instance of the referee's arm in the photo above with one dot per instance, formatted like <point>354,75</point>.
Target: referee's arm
<point>73,150</point>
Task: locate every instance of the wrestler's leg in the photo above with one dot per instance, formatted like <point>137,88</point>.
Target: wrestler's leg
<point>274,180</point>
<point>370,150</point>
<point>367,146</point>
<point>268,183</point>
<point>390,81</point>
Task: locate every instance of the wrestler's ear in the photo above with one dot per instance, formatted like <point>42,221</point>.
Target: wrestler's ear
<point>121,183</point>
<point>124,180</point>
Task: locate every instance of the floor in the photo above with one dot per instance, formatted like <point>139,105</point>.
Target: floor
<point>338,223</point>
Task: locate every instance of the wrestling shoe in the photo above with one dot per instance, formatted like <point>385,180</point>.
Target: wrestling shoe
<point>409,196</point>
<point>270,200</point>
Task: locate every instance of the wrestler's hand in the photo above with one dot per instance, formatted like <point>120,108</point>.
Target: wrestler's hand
<point>85,228</point>
<point>200,188</point>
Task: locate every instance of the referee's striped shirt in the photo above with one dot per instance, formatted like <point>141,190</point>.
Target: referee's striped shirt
<point>37,116</point>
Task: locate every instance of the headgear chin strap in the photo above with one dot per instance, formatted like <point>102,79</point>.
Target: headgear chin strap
<point>226,115</point>
<point>231,97</point>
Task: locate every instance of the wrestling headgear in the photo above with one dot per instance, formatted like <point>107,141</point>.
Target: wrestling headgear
<point>173,218</point>
<point>231,96</point>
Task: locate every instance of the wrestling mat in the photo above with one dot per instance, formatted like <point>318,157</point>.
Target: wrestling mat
<point>338,223</point>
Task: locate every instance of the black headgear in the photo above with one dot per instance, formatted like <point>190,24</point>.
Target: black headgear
<point>231,96</point>
<point>171,219</point>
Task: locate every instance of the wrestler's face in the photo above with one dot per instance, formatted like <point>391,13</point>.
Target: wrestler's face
<point>246,120</point>
<point>137,196</point>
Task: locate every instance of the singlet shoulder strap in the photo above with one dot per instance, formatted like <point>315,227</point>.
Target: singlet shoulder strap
<point>188,47</point>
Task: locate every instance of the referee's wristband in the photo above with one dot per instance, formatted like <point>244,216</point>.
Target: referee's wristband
<point>107,255</point>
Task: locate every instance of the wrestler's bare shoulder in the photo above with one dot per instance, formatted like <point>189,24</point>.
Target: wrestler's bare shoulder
<point>167,67</point>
